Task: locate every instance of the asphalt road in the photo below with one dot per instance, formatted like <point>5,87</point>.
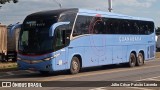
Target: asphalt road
<point>90,78</point>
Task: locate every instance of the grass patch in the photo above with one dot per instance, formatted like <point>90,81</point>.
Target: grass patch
<point>7,66</point>
<point>157,54</point>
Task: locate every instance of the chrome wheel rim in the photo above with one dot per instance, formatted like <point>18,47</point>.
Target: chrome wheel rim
<point>140,59</point>
<point>75,65</point>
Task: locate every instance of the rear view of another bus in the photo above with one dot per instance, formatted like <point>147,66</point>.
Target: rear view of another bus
<point>12,41</point>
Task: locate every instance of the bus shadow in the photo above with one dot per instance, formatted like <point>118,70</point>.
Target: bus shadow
<point>63,73</point>
<point>104,67</point>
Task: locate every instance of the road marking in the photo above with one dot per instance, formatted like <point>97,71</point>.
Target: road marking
<point>10,73</point>
<point>139,88</point>
<point>152,78</point>
<point>100,88</point>
<point>148,78</point>
<point>96,73</point>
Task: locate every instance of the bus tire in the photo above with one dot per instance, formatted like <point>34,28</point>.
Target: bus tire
<point>132,60</point>
<point>140,59</point>
<point>75,66</point>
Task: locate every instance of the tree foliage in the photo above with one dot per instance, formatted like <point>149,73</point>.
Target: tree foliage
<point>8,1</point>
<point>158,31</point>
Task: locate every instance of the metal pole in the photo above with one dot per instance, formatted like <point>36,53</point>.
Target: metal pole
<point>110,5</point>
<point>59,4</point>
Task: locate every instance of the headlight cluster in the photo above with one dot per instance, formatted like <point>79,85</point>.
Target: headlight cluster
<point>47,59</point>
<point>38,61</point>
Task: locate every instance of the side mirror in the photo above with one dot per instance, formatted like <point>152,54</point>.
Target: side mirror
<point>54,26</point>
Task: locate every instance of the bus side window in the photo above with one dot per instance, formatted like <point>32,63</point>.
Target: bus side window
<point>108,27</point>
<point>99,27</point>
<point>82,25</point>
<point>59,40</point>
<point>62,36</point>
<point>150,27</point>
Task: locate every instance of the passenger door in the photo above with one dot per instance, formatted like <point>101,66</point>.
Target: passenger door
<point>61,40</point>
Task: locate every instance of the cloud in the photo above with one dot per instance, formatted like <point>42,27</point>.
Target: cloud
<point>135,3</point>
<point>12,13</point>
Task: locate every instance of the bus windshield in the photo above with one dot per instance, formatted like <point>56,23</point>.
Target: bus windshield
<point>34,36</point>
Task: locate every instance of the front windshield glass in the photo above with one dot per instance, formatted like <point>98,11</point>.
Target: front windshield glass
<point>34,36</point>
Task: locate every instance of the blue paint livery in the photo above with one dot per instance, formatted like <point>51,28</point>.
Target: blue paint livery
<point>94,49</point>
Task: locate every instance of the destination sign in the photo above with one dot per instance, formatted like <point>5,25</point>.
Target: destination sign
<point>35,24</point>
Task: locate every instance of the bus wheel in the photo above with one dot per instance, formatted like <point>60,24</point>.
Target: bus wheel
<point>140,59</point>
<point>75,66</point>
<point>132,60</point>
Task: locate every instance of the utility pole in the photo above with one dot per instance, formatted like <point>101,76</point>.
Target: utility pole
<point>110,5</point>
<point>59,4</point>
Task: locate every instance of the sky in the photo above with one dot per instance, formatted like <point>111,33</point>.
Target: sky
<point>11,13</point>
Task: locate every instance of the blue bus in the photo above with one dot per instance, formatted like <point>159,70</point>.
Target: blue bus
<point>71,39</point>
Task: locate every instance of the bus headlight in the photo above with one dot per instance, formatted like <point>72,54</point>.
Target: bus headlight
<point>49,58</point>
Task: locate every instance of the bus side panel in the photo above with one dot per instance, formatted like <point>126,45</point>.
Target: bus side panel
<point>102,58</point>
<point>109,52</point>
<point>117,54</point>
<point>150,52</point>
<point>150,47</point>
<point>90,57</point>
<point>78,47</point>
<point>119,49</point>
<point>74,51</point>
<point>97,43</point>
<point>60,60</point>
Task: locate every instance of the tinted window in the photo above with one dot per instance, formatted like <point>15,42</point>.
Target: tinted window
<point>82,26</point>
<point>102,25</point>
<point>67,16</point>
<point>124,26</point>
<point>62,34</point>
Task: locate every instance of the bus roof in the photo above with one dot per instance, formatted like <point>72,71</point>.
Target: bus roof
<point>52,12</point>
<point>112,15</point>
<point>87,12</point>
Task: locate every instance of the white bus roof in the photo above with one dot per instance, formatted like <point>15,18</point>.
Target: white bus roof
<point>111,15</point>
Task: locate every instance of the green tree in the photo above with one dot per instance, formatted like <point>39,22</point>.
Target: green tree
<point>158,31</point>
<point>7,1</point>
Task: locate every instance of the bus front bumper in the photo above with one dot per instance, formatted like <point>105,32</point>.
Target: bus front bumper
<point>35,65</point>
